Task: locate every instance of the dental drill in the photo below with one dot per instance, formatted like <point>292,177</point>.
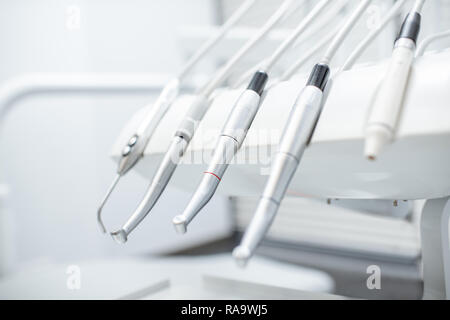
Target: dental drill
<point>295,138</point>
<point>134,149</point>
<point>188,126</point>
<point>386,108</point>
<point>237,126</point>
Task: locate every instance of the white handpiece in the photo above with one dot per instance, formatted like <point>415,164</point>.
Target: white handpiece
<point>387,105</point>
<point>388,100</point>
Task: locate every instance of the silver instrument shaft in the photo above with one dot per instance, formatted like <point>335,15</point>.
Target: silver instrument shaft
<point>294,140</point>
<point>229,143</point>
<point>156,188</point>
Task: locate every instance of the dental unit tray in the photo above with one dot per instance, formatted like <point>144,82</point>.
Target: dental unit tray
<point>415,166</point>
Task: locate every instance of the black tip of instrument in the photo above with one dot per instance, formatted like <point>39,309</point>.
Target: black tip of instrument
<point>258,82</point>
<point>411,27</point>
<point>319,76</point>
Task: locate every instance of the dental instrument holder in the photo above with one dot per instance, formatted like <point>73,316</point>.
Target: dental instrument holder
<point>416,168</point>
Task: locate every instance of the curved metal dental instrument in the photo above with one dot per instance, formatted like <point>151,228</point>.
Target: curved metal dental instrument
<point>237,126</point>
<point>263,222</point>
<point>156,188</point>
<point>137,143</point>
<point>386,108</point>
<point>296,136</point>
<point>188,127</point>
<point>229,143</point>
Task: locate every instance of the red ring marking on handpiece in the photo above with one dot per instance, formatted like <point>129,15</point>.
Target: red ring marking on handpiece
<point>213,175</point>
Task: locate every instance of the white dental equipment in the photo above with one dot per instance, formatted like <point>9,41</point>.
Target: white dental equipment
<point>427,41</point>
<point>135,147</point>
<point>321,22</point>
<point>296,136</point>
<point>188,127</point>
<point>237,126</point>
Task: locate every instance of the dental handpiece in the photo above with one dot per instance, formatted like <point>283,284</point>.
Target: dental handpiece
<point>187,129</point>
<point>387,105</point>
<point>296,136</point>
<point>297,133</point>
<point>236,128</point>
<point>134,148</point>
<point>322,22</point>
<point>229,142</point>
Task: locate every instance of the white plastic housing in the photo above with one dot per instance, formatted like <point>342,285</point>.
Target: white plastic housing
<point>415,166</point>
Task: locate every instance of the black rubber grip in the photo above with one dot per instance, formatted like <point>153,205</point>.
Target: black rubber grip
<point>410,27</point>
<point>319,76</point>
<point>258,82</point>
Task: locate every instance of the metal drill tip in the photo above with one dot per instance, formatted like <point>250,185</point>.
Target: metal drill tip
<point>120,236</point>
<point>241,255</point>
<point>102,204</point>
<point>180,224</point>
<point>159,182</point>
<point>201,197</point>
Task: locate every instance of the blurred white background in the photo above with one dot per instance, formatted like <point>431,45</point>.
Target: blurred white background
<point>55,148</point>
